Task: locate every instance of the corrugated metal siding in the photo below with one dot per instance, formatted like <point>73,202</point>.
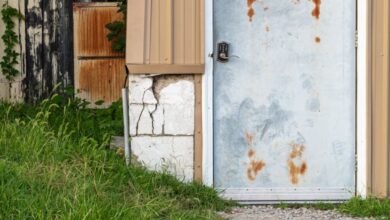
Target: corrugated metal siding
<point>100,79</point>
<point>170,38</point>
<point>90,32</point>
<point>99,71</point>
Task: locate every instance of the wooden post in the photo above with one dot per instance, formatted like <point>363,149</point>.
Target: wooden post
<point>49,43</point>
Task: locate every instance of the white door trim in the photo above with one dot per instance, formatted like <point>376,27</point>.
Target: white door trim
<point>362,101</point>
<point>208,130</point>
<point>271,195</point>
<point>362,91</point>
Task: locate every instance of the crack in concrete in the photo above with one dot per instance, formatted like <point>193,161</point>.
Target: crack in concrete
<point>142,111</point>
<point>152,112</point>
<point>153,90</point>
<point>163,124</point>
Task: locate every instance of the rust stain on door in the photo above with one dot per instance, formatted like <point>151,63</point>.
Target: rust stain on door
<point>317,9</point>
<point>251,10</point>
<point>255,166</point>
<point>296,165</point>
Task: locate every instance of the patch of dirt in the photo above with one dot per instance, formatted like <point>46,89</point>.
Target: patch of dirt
<point>272,213</point>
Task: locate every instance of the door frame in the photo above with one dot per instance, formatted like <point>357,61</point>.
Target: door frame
<point>361,102</point>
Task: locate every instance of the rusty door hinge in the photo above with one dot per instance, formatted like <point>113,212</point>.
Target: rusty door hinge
<point>356,39</point>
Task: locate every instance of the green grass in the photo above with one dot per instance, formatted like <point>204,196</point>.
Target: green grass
<point>371,207</point>
<point>55,164</point>
<point>53,167</point>
<point>319,206</point>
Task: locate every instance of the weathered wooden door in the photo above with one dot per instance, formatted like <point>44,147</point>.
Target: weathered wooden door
<point>284,102</point>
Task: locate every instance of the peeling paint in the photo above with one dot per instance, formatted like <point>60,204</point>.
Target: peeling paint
<point>161,82</point>
<point>49,43</point>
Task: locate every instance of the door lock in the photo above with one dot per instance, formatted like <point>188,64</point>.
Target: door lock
<point>223,52</point>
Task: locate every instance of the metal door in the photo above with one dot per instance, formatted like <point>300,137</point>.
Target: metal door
<point>284,102</point>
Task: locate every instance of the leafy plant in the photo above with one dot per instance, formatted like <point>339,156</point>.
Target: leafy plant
<point>117,30</point>
<point>10,39</point>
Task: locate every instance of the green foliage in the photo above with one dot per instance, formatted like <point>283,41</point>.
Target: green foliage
<point>318,206</point>
<point>86,122</point>
<point>52,167</point>
<point>117,34</point>
<point>10,39</point>
<point>371,207</point>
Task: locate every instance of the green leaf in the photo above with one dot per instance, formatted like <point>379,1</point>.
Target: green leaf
<point>117,34</point>
<point>10,40</point>
<point>99,103</point>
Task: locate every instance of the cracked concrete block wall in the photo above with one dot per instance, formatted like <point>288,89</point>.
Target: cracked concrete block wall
<point>162,122</point>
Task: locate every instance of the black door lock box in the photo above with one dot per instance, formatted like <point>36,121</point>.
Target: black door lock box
<point>223,52</point>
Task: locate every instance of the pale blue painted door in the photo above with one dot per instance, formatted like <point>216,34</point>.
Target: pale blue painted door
<point>285,103</point>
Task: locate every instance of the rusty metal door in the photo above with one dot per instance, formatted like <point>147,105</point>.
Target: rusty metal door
<point>284,102</point>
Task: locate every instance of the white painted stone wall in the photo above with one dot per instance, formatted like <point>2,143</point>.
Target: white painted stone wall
<point>162,123</point>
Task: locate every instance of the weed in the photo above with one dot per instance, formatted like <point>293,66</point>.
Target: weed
<point>54,165</point>
<point>371,207</point>
<point>83,121</point>
<point>318,205</point>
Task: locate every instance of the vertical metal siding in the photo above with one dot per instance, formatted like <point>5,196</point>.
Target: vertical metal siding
<point>100,79</point>
<point>379,152</point>
<point>170,36</point>
<point>99,71</point>
<point>90,31</point>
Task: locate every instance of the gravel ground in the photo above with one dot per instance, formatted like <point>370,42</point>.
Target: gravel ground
<point>272,213</point>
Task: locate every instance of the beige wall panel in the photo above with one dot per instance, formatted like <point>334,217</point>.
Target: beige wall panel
<point>173,35</point>
<point>379,170</point>
<point>136,31</point>
<point>189,30</point>
<point>166,31</point>
<point>154,34</point>
<point>178,37</point>
<point>148,24</point>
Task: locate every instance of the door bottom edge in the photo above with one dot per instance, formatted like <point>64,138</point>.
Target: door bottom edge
<point>290,195</point>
